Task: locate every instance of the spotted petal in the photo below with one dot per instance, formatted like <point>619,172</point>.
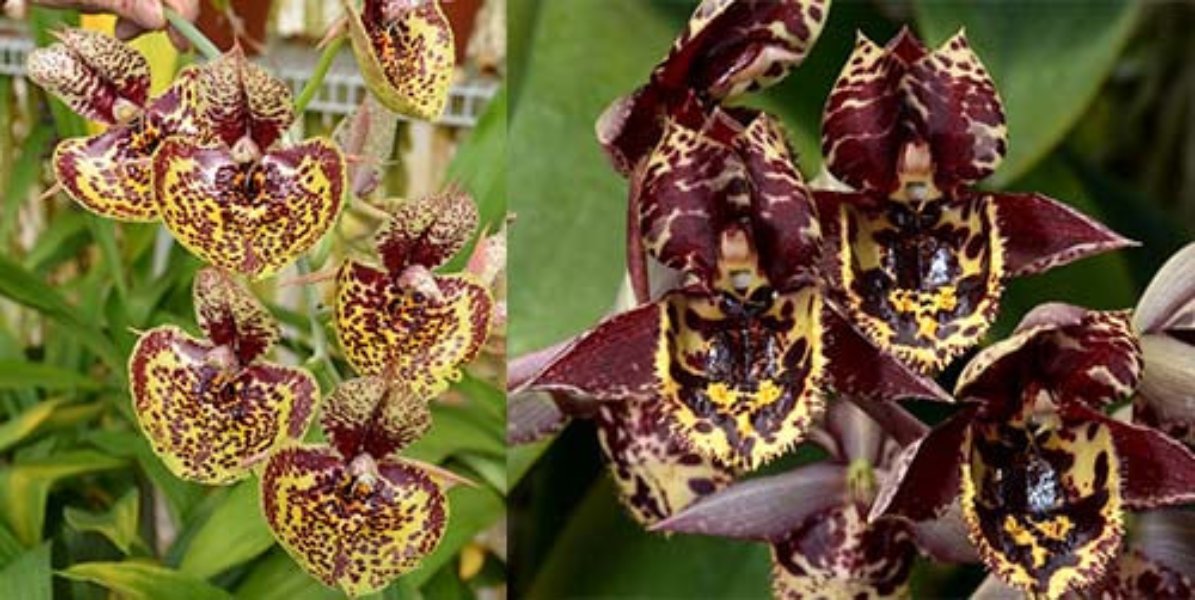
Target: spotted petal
<point>95,74</point>
<point>1041,233</point>
<point>406,53</point>
<point>656,475</point>
<point>373,416</point>
<point>232,316</point>
<point>250,217</point>
<point>741,381</point>
<point>900,97</point>
<point>356,526</point>
<point>209,419</point>
<point>923,283</point>
<point>728,47</point>
<point>110,173</point>
<point>427,231</point>
<point>242,101</point>
<point>836,553</point>
<point>1044,503</point>
<point>407,334</point>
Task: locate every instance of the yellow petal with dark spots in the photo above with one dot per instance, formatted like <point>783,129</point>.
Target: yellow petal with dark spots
<point>208,418</point>
<point>355,525</point>
<point>427,231</point>
<point>94,74</point>
<point>232,316</point>
<point>406,53</point>
<point>408,334</point>
<point>250,217</point>
<point>1042,499</point>
<point>374,416</point>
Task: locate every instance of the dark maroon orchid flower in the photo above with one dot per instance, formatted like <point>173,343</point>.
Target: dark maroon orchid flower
<point>728,47</point>
<point>815,518</point>
<point>1043,476</point>
<point>918,256</point>
<point>1165,318</point>
<point>107,81</point>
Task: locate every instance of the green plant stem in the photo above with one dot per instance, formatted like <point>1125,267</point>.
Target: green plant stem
<point>311,88</point>
<point>192,33</point>
<point>319,338</point>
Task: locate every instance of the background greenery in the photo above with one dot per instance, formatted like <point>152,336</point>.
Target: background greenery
<point>86,508</point>
<point>1100,101</point>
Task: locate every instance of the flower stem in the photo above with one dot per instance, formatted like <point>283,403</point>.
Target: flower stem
<point>311,88</point>
<point>192,33</point>
<point>319,338</point>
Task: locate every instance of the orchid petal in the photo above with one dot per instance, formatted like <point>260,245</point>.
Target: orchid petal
<point>924,480</point>
<point>1041,233</point>
<point>1157,469</point>
<point>1169,300</point>
<point>656,475</point>
<point>95,74</point>
<point>763,508</point>
<point>249,217</point>
<point>405,334</point>
<point>232,316</point>
<point>531,416</point>
<point>1164,399</point>
<point>356,526</point>
<point>406,53</point>
<point>369,415</point>
<point>206,417</point>
<point>427,231</point>
<point>242,101</point>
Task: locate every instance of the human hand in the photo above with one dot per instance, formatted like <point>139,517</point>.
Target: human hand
<point>135,17</point>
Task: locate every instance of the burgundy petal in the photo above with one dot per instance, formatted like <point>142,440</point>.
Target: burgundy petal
<point>95,74</point>
<point>1158,470</point>
<point>614,361</point>
<point>763,508</point>
<point>925,480</point>
<point>244,103</point>
<point>232,316</point>
<point>370,415</point>
<point>1041,233</point>
<point>427,231</point>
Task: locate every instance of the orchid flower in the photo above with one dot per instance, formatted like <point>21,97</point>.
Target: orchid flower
<point>1043,476</point>
<point>107,81</point>
<point>919,258</point>
<point>212,408</point>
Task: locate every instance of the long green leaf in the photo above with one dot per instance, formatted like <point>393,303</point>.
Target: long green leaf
<point>235,533</point>
<point>144,581</point>
<point>279,578</point>
<point>119,523</point>
<point>28,577</point>
<point>15,430</point>
<point>15,374</point>
<point>25,486</point>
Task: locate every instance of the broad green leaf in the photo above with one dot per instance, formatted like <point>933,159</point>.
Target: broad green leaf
<point>181,496</point>
<point>277,577</point>
<point>491,469</point>
<point>602,553</point>
<point>456,430</point>
<point>28,577</point>
<point>479,164</point>
<point>567,243</point>
<point>235,533</point>
<point>144,581</point>
<point>119,523</point>
<point>27,289</point>
<point>16,374</point>
<point>471,510</point>
<point>10,547</point>
<point>13,431</point>
<point>1048,60</point>
<point>25,486</point>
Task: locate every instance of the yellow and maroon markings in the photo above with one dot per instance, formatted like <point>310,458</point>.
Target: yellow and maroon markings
<point>406,53</point>
<point>374,416</point>
<point>231,316</point>
<point>250,217</point>
<point>94,74</point>
<point>243,101</point>
<point>655,473</point>
<point>426,231</point>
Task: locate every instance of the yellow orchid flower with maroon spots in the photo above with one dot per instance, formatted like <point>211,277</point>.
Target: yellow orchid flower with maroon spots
<point>920,258</point>
<point>403,321</point>
<point>1043,476</point>
<point>353,513</point>
<point>107,81</point>
<point>728,47</point>
<point>243,201</point>
<point>212,408</point>
<point>406,53</point>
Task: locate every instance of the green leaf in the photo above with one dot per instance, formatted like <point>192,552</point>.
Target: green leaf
<point>277,577</point>
<point>103,231</point>
<point>181,495</point>
<point>27,289</point>
<point>26,172</point>
<point>1048,60</point>
<point>471,510</point>
<point>144,581</point>
<point>479,163</point>
<point>29,576</point>
<point>10,547</point>
<point>571,205</point>
<point>119,524</point>
<point>19,374</point>
<point>602,553</point>
<point>24,487</point>
<point>235,533</point>
<point>455,430</point>
<point>13,431</point>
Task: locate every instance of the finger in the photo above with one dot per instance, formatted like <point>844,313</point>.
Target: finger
<point>146,13</point>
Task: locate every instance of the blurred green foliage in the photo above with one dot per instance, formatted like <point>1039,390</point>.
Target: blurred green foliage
<point>1062,69</point>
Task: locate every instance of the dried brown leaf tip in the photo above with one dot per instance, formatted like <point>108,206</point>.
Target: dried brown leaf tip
<point>406,53</point>
<point>245,201</point>
<point>354,514</point>
<point>105,80</point>
<point>920,258</point>
<point>404,321</point>
<point>211,407</point>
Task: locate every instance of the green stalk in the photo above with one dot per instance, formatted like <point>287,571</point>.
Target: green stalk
<point>311,88</point>
<point>192,33</point>
<point>319,338</point>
